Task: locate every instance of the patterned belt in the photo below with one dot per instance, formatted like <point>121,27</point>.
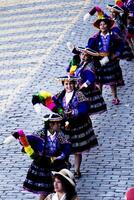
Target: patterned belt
<point>103,54</point>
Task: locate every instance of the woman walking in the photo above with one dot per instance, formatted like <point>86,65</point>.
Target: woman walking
<point>87,84</point>
<point>76,111</point>
<point>49,150</point>
<point>110,47</point>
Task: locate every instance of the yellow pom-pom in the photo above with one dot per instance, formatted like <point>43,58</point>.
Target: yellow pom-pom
<point>101,15</point>
<point>73,69</point>
<point>45,94</point>
<point>29,150</point>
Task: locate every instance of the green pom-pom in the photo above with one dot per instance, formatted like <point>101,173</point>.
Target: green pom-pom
<point>60,110</point>
<point>75,60</point>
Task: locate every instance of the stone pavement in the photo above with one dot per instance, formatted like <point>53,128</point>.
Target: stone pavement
<point>33,36</point>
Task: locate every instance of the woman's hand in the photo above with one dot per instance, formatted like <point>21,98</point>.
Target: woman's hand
<point>114,57</point>
<point>84,85</point>
<point>68,113</point>
<point>104,61</point>
<point>53,159</point>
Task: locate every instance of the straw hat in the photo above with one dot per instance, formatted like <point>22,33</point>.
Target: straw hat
<point>65,173</point>
<point>109,21</point>
<point>101,16</point>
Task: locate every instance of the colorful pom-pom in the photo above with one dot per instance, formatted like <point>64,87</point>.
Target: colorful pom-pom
<point>60,111</point>
<point>98,9</point>
<point>50,104</point>
<point>100,14</point>
<point>21,132</point>
<point>73,69</point>
<point>24,141</point>
<point>29,150</point>
<point>119,3</point>
<point>45,94</point>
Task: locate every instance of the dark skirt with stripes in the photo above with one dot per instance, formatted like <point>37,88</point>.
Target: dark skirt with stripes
<point>110,74</point>
<point>127,52</point>
<point>119,75</point>
<point>96,100</point>
<point>81,134</point>
<point>39,176</point>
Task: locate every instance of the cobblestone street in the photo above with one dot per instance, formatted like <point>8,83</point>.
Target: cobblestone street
<point>33,52</point>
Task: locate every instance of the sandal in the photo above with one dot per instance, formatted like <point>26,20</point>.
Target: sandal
<point>121,83</point>
<point>116,101</point>
<point>77,175</point>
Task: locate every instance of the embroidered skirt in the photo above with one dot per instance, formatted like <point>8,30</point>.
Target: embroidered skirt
<point>127,52</point>
<point>110,74</point>
<point>38,179</point>
<point>81,134</point>
<point>96,100</point>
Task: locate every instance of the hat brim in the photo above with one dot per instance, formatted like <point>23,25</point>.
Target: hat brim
<point>89,51</point>
<point>110,22</point>
<point>48,118</point>
<point>67,178</point>
<point>69,78</point>
<point>115,8</point>
<point>131,14</point>
<point>110,6</point>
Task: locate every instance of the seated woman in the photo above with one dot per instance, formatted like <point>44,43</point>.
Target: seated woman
<point>76,111</point>
<point>64,186</point>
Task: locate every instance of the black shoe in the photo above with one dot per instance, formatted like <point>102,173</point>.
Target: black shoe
<point>77,175</point>
<point>129,58</point>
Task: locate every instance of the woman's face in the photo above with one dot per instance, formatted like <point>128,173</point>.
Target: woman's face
<point>69,86</point>
<point>103,27</point>
<point>58,185</point>
<point>114,14</point>
<point>55,126</point>
<point>84,56</point>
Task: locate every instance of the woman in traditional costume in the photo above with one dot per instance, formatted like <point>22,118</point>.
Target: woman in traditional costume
<point>85,69</point>
<point>109,46</point>
<point>49,150</point>
<point>76,111</point>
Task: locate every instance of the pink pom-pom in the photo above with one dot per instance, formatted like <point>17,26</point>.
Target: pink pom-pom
<point>98,9</point>
<point>51,106</point>
<point>21,132</point>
